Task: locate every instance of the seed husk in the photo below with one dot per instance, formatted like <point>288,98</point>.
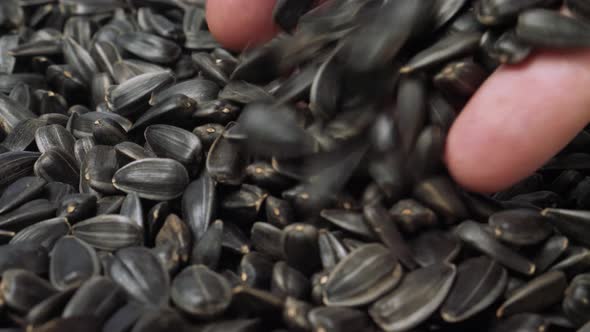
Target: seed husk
<point>551,250</point>
<point>572,223</point>
<point>207,251</point>
<point>22,289</point>
<point>521,322</point>
<point>574,302</point>
<point>199,204</point>
<point>72,263</point>
<point>99,167</point>
<point>149,47</point>
<point>289,283</point>
<point>199,90</point>
<point>545,28</point>
<point>200,292</point>
<point>382,224</point>
<point>141,275</point>
<point>480,282</point>
<point>108,232</point>
<point>520,227</point>
<point>152,178</point>
<point>350,221</point>
<point>132,96</point>
<point>27,214</point>
<point>44,233</point>
<point>174,143</point>
<point>21,191</point>
<point>175,233</point>
<point>411,216</point>
<point>332,249</point>
<point>434,246</point>
<point>98,297</point>
<point>54,137</point>
<point>267,239</point>
<point>24,256</point>
<point>300,247</point>
<point>23,135</point>
<point>419,294</point>
<point>474,235</point>
<point>50,308</point>
<point>226,160</point>
<point>362,277</point>
<point>539,293</point>
<point>278,212</point>
<point>331,319</point>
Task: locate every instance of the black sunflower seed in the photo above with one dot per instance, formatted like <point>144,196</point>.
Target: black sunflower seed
<point>574,302</point>
<point>545,28</point>
<point>226,161</point>
<point>480,282</point>
<point>175,234</point>
<point>98,297</point>
<point>108,132</point>
<point>266,239</point>
<point>21,137</point>
<point>551,250</point>
<point>201,292</point>
<point>539,293</point>
<point>383,226</point>
<point>98,169</point>
<point>45,233</point>
<point>442,196</point>
<point>174,143</point>
<point>419,294</point>
<point>572,223</point>
<point>21,191</point>
<point>140,273</point>
<point>25,256</point>
<point>27,214</point>
<point>332,319</point>
<point>255,270</point>
<point>22,290</point>
<point>72,263</point>
<point>520,227</point>
<point>411,216</point>
<point>77,207</point>
<point>132,96</point>
<point>474,235</point>
<point>152,178</point>
<point>108,232</point>
<point>199,204</point>
<point>207,251</point>
<point>300,247</point>
<point>521,322</point>
<point>50,308</point>
<point>332,249</point>
<point>109,204</point>
<point>149,47</point>
<point>434,246</point>
<point>363,276</point>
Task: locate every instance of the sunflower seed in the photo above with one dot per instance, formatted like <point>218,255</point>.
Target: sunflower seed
<point>420,294</point>
<point>72,263</point>
<point>152,178</point>
<point>140,273</point>
<point>108,232</point>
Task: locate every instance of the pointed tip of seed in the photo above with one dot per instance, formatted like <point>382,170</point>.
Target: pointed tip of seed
<point>447,317</point>
<point>500,312</point>
<point>532,269</point>
<point>406,69</point>
<point>545,212</point>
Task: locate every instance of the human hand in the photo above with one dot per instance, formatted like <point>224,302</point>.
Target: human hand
<point>520,117</point>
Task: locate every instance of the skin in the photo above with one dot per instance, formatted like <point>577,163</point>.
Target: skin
<point>520,117</point>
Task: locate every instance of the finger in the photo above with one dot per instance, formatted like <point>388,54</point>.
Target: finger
<point>241,23</point>
<point>519,119</point>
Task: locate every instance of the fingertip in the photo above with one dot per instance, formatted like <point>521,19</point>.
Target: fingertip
<point>519,119</point>
<point>238,24</point>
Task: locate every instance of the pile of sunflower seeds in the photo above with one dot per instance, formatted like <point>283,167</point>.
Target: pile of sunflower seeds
<point>151,180</point>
